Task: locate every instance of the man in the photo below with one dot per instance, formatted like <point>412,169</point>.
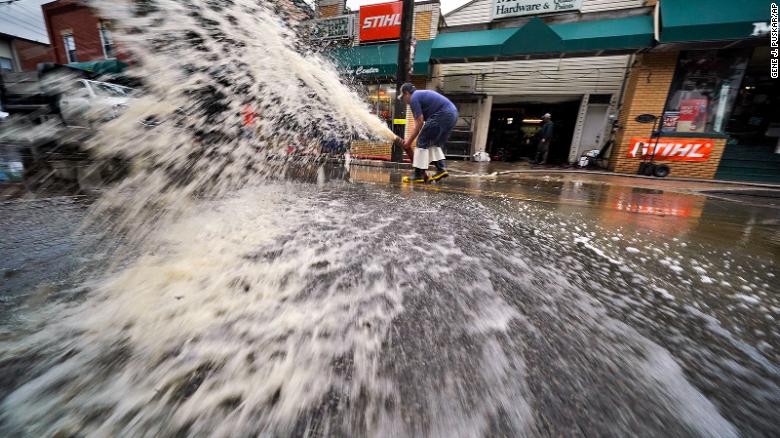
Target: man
<point>545,136</point>
<point>434,119</point>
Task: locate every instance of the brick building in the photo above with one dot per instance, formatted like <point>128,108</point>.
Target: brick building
<point>19,54</point>
<point>76,34</point>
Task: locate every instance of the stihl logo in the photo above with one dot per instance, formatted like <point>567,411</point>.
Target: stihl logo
<point>382,21</point>
<point>674,149</point>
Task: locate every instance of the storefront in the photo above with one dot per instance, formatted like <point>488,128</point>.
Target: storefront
<point>717,99</point>
<point>570,62</point>
<point>370,60</point>
<point>371,69</point>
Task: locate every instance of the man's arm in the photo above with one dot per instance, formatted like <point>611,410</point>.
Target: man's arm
<point>418,124</point>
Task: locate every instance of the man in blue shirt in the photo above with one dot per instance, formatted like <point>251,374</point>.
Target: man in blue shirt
<point>434,119</point>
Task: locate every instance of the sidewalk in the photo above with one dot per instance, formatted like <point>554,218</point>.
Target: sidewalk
<point>471,169</point>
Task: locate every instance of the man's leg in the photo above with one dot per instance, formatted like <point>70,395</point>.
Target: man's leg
<point>422,157</point>
<point>437,156</point>
<point>545,151</point>
<point>420,165</point>
<point>541,152</point>
<point>446,125</point>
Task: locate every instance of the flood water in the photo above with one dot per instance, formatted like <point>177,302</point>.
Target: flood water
<point>219,290</point>
<point>338,308</point>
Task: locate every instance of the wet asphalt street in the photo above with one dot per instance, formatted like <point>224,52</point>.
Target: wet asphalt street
<point>515,306</point>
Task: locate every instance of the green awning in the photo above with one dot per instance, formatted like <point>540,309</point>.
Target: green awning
<point>617,34</point>
<point>422,57</point>
<point>481,43</point>
<point>711,20</point>
<point>537,37</point>
<point>534,37</point>
<point>379,60</point>
<point>107,66</point>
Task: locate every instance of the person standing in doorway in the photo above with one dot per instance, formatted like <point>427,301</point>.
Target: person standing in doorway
<point>434,118</point>
<point>545,137</point>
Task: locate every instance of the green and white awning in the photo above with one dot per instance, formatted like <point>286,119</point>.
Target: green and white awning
<point>536,37</point>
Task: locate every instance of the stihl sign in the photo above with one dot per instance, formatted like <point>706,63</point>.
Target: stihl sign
<point>672,149</point>
<point>380,22</point>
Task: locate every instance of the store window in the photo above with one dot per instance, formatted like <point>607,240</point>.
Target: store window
<point>704,90</point>
<point>105,40</point>
<point>755,120</point>
<point>381,97</point>
<point>70,47</point>
<point>6,64</point>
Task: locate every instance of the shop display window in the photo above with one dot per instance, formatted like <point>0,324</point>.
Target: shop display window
<point>704,90</point>
<point>381,98</point>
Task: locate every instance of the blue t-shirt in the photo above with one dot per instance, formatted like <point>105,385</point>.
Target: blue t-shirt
<point>428,103</point>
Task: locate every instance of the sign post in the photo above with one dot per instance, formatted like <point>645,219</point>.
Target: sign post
<point>402,75</point>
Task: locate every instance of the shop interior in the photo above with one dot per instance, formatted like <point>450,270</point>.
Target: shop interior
<point>514,127</point>
<point>730,92</point>
<point>755,120</point>
<point>381,99</point>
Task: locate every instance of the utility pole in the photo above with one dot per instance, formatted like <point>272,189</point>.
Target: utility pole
<point>402,75</point>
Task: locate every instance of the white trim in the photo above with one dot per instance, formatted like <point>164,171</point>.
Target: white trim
<point>102,27</point>
<point>657,21</point>
<point>578,127</point>
<point>65,35</point>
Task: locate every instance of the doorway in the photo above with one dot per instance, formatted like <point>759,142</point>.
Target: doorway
<point>514,127</point>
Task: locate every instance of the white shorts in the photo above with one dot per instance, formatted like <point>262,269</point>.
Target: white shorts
<point>423,157</point>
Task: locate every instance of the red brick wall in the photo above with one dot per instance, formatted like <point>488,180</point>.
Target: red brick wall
<point>31,54</point>
<point>646,92</point>
<point>68,16</point>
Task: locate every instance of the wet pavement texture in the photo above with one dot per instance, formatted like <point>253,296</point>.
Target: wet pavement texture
<point>493,306</point>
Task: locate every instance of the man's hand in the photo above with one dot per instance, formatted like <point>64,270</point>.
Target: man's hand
<point>407,145</point>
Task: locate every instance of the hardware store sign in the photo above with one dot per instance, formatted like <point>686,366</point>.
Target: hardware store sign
<point>517,8</point>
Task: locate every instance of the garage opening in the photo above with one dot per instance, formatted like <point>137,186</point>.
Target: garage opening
<point>515,123</point>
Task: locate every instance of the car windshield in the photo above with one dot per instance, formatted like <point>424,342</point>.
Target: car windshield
<point>110,90</point>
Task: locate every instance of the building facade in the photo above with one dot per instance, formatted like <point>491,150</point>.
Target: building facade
<point>23,39</point>
<point>76,34</point>
<point>709,80</point>
<point>364,45</point>
<point>699,69</point>
<point>507,63</point>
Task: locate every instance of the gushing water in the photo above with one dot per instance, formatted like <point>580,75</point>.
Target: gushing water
<point>244,305</point>
<point>203,63</point>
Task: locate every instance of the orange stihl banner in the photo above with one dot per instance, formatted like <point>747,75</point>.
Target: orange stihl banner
<point>381,22</point>
<point>672,149</point>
